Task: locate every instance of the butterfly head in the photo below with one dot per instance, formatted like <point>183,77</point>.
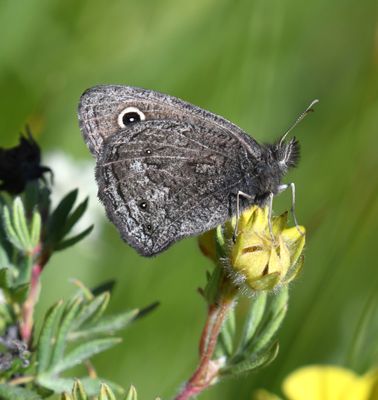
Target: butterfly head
<point>285,153</point>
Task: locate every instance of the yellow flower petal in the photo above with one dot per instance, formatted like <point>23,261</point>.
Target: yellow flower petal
<point>327,383</point>
<point>256,254</point>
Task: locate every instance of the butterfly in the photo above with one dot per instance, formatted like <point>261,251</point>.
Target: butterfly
<point>167,169</point>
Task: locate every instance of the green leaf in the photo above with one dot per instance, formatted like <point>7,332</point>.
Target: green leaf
<point>83,353</point>
<point>45,342</point>
<point>253,318</point>
<point>75,216</point>
<point>252,363</point>
<point>83,290</point>
<point>117,389</point>
<point>20,293</point>
<point>105,326</point>
<point>132,394</point>
<point>64,327</point>
<point>91,386</point>
<point>60,385</point>
<point>74,239</point>
<point>78,391</point>
<point>4,259</point>
<point>5,278</point>
<point>10,231</point>
<point>20,224</point>
<point>211,291</point>
<point>58,218</point>
<point>8,392</point>
<point>65,396</point>
<point>106,393</point>
<point>89,311</point>
<point>107,286</point>
<point>146,310</point>
<point>277,312</point>
<point>35,231</point>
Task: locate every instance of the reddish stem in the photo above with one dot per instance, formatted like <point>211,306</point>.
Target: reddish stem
<point>206,370</point>
<point>28,306</point>
<point>26,328</point>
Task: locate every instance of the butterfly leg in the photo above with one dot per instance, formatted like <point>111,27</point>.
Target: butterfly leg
<point>282,188</point>
<point>247,196</point>
<point>270,212</point>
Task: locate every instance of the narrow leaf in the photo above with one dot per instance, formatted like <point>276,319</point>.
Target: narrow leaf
<point>251,364</point>
<point>58,218</point>
<point>107,286</point>
<point>74,239</point>
<point>106,393</point>
<point>58,385</point>
<point>117,389</point>
<point>146,310</point>
<point>63,329</point>
<point>277,312</point>
<point>46,338</point>
<point>10,231</point>
<point>89,310</point>
<point>253,318</point>
<point>132,394</point>
<point>5,278</point>
<point>20,224</point>
<point>75,216</point>
<point>91,386</point>
<point>20,293</point>
<point>35,231</point>
<point>83,353</point>
<point>4,259</point>
<point>8,392</point>
<point>78,391</point>
<point>65,396</point>
<point>105,326</point>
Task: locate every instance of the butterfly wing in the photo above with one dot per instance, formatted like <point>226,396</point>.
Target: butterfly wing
<point>100,107</point>
<point>160,182</point>
<point>173,175</point>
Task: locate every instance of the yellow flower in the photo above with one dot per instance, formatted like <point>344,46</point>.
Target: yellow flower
<point>326,383</point>
<point>262,260</point>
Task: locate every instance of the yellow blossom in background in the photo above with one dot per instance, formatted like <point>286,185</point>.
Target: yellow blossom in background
<point>326,383</point>
<point>261,260</point>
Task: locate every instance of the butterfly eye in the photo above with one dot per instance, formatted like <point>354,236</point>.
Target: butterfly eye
<point>130,115</point>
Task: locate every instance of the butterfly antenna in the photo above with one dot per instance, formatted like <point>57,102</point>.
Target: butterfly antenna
<point>299,119</point>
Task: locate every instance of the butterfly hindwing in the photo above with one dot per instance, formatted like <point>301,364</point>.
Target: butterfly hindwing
<point>162,180</point>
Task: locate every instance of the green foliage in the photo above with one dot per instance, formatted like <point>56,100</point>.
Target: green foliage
<point>8,392</point>
<point>104,393</point>
<point>62,220</point>
<point>255,346</point>
<point>73,331</point>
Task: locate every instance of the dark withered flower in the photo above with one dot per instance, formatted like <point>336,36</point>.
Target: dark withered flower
<point>20,165</point>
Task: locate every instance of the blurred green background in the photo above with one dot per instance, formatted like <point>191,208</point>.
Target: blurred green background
<point>258,63</point>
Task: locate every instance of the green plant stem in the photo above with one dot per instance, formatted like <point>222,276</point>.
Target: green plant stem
<point>207,370</point>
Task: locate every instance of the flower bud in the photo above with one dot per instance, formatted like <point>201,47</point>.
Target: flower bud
<point>262,258</point>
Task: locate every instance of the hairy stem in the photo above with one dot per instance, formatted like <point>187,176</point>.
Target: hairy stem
<point>26,328</point>
<point>207,370</point>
